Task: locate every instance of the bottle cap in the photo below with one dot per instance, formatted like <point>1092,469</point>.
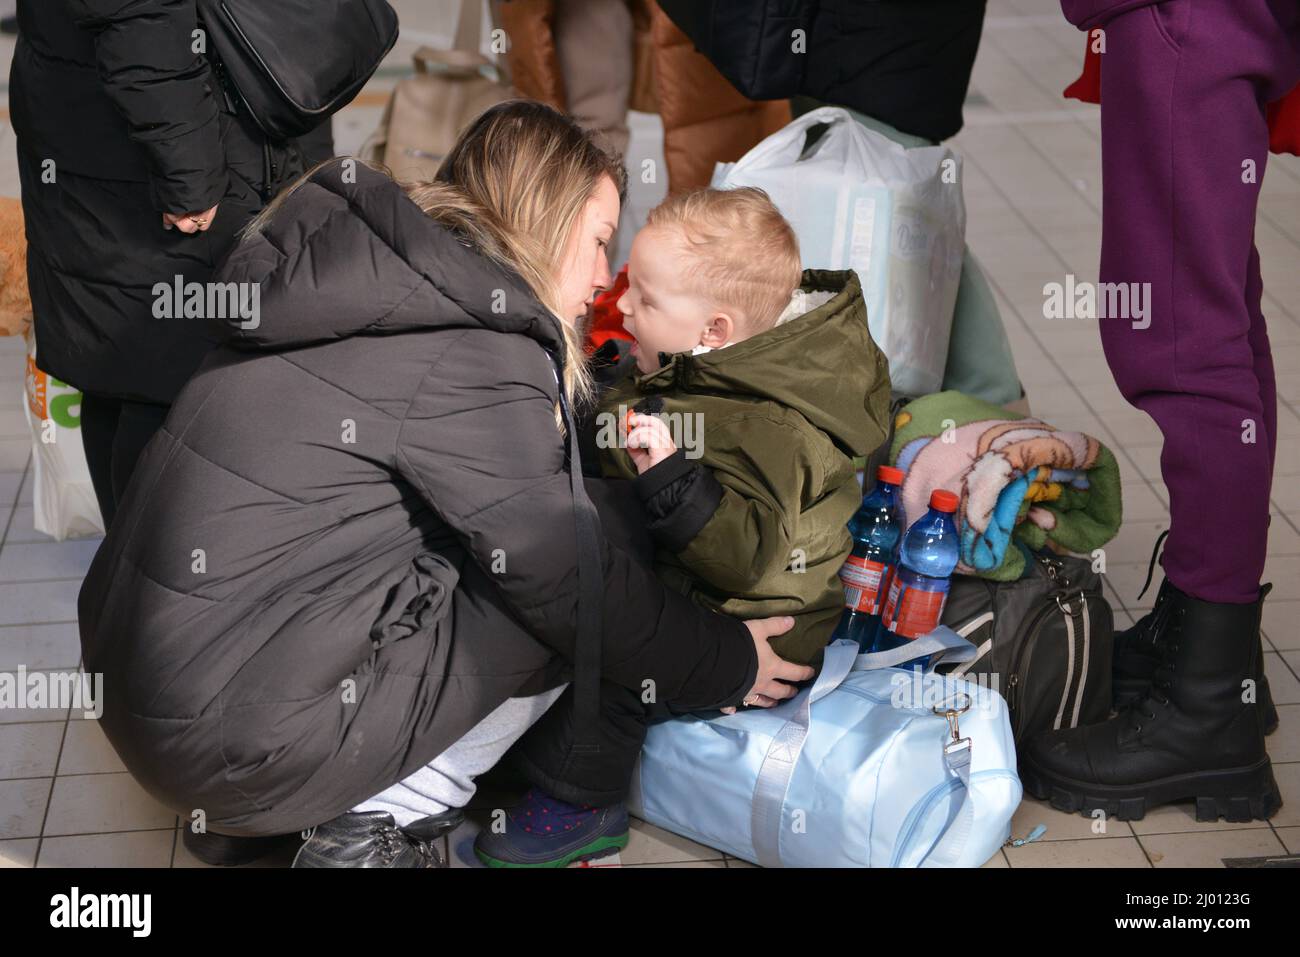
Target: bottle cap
<point>887,473</point>
<point>944,501</point>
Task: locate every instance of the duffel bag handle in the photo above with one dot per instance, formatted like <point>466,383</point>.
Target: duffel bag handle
<point>842,657</point>
<point>947,646</point>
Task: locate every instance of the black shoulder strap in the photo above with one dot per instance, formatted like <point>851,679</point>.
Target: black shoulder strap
<point>587,648</point>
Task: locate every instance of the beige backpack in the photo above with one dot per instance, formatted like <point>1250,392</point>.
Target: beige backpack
<point>429,110</point>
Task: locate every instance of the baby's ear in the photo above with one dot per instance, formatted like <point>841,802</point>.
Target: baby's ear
<point>721,327</point>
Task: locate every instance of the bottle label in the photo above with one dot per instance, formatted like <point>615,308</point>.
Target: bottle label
<point>911,612</point>
<point>863,584</point>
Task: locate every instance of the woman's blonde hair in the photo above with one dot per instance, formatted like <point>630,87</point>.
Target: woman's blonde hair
<point>515,184</point>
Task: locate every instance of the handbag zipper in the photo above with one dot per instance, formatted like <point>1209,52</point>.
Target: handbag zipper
<point>1020,664</point>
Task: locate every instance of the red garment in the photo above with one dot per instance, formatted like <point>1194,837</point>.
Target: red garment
<point>606,320</point>
<point>1283,115</point>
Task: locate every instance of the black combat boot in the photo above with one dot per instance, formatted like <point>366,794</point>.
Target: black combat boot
<point>1137,653</point>
<point>373,839</point>
<point>1190,736</point>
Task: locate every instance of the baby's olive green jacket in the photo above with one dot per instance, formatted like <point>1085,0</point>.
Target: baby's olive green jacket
<point>780,415</point>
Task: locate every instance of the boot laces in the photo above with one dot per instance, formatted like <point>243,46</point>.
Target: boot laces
<point>1159,619</point>
<point>1151,565</point>
<point>1162,681</point>
<point>391,841</point>
<point>427,851</point>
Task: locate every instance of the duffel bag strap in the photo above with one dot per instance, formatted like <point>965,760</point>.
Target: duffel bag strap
<point>783,753</point>
<point>948,849</point>
<point>949,647</point>
<point>946,644</point>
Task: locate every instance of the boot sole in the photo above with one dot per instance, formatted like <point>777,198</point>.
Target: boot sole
<point>1236,794</point>
<point>600,847</point>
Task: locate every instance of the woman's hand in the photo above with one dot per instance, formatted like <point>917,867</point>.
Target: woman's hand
<point>190,222</point>
<point>774,672</point>
<point>648,441</point>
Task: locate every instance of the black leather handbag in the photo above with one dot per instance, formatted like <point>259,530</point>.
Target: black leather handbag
<point>291,64</point>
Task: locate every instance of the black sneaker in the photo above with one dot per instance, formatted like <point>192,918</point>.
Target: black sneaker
<point>373,839</point>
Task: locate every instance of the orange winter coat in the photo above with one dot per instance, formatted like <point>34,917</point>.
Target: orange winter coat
<point>706,121</point>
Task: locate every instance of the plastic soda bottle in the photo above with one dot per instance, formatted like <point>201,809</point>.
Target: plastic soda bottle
<point>876,527</point>
<point>927,556</point>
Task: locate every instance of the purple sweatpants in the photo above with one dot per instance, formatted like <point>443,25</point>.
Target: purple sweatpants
<point>1184,85</point>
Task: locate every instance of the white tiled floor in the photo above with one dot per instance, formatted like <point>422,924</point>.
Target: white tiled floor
<point>1033,198</point>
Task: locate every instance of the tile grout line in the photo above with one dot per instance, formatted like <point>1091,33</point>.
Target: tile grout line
<point>13,506</point>
<point>49,797</point>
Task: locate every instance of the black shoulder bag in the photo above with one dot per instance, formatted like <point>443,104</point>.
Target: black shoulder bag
<point>294,63</point>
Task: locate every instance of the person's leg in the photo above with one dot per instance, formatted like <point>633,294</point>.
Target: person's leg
<point>1180,117</point>
<point>1183,93</point>
<point>593,40</point>
<point>980,361</point>
<point>584,791</point>
<point>136,425</point>
<point>575,810</point>
<point>545,753</point>
<point>448,780</point>
<point>1263,355</point>
<point>600,779</point>
<point>99,415</point>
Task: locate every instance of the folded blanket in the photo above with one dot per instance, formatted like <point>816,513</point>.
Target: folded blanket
<point>1021,482</point>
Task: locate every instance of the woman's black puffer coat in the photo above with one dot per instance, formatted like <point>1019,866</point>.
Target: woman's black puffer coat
<point>354,536</point>
<point>118,121</point>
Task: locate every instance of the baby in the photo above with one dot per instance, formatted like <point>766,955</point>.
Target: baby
<point>763,382</point>
<point>755,385</point>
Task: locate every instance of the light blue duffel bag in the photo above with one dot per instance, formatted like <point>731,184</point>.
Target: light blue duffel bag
<point>873,766</point>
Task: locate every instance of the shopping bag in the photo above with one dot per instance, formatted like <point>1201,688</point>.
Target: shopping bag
<point>63,496</point>
<point>858,200</point>
<point>428,110</point>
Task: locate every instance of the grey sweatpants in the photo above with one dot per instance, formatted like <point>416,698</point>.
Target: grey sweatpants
<point>448,780</point>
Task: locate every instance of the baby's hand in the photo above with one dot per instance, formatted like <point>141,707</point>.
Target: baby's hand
<point>648,441</point>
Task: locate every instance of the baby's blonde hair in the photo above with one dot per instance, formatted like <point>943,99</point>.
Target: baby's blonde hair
<point>743,252</point>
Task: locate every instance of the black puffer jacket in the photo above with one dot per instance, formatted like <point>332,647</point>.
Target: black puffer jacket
<point>906,62</point>
<point>119,121</point>
<point>354,538</point>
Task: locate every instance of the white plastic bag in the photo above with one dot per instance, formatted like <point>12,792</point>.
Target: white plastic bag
<point>64,498</point>
<point>858,200</point>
